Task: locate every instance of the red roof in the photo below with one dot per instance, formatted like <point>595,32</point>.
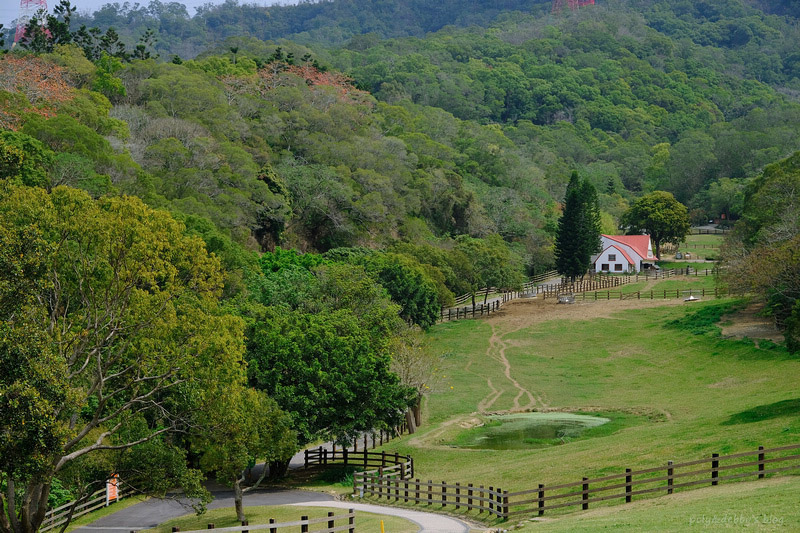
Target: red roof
<point>639,243</point>
<point>623,252</point>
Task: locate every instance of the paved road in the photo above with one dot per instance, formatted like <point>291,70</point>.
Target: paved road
<point>427,522</point>
<point>153,512</point>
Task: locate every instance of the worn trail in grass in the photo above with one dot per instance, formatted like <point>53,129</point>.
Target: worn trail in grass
<point>497,351</point>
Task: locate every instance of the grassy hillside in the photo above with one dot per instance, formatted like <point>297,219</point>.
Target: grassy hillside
<point>676,389</point>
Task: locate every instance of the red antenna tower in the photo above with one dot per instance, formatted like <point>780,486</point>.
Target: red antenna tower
<point>27,8</point>
<point>558,5</point>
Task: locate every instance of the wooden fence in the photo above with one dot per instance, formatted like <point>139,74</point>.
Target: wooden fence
<point>613,488</point>
<point>303,523</point>
<point>526,287</point>
<point>593,283</point>
<point>701,231</point>
<point>322,456</point>
<point>395,488</point>
<point>58,516</point>
<point>499,297</point>
<point>386,463</point>
<point>717,292</point>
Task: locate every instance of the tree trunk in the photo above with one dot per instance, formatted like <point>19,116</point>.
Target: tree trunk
<point>485,296</point>
<point>238,498</point>
<point>411,422</point>
<point>417,409</point>
<point>28,516</point>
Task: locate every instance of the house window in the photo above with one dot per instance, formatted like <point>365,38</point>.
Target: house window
<point>612,257</point>
<point>604,267</point>
<point>618,267</point>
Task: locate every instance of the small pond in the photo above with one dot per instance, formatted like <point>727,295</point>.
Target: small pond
<point>527,430</point>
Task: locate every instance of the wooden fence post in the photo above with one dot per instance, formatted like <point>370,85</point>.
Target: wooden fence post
<point>458,496</point>
<point>405,493</point>
<point>380,482</point>
<point>491,499</point>
<point>714,468</point>
<point>305,453</point>
<point>760,462</point>
<point>480,502</point>
<point>628,485</point>
<point>351,521</point>
<point>429,495</point>
<point>272,529</point>
<point>416,491</point>
<point>245,523</point>
<point>344,455</point>
<point>505,505</point>
<point>397,490</point>
<point>541,499</point>
<point>670,480</point>
<point>444,494</point>
<point>585,494</point>
<point>469,496</point>
<point>331,523</point>
<point>304,527</point>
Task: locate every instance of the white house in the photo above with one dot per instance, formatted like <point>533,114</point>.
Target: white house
<point>624,253</point>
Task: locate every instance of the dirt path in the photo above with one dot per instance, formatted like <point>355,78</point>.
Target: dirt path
<point>520,314</point>
<point>497,351</point>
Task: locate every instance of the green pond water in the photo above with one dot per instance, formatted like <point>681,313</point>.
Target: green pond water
<point>528,430</point>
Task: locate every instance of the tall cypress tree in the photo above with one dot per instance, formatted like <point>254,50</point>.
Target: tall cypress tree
<point>578,236</point>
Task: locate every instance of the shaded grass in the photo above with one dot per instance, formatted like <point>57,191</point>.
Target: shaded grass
<point>705,319</point>
<point>765,412</point>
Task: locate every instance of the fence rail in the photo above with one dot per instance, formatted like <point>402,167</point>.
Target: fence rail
<point>664,479</point>
<point>382,461</point>
<point>717,292</point>
<point>303,523</point>
<point>322,456</point>
<point>526,287</point>
<point>58,516</point>
<point>499,297</point>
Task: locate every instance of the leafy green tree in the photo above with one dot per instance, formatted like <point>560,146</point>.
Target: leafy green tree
<point>659,215</point>
<point>325,371</point>
<point>409,286</point>
<point>761,256</point>
<point>112,339</point>
<point>24,160</point>
<point>578,235</point>
<point>494,263</point>
<point>244,427</point>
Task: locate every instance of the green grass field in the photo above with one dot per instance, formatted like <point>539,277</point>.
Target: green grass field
<point>687,392</point>
<point>287,513</point>
<point>758,506</point>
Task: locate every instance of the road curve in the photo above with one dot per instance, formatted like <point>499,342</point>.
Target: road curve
<point>153,512</point>
<point>427,522</point>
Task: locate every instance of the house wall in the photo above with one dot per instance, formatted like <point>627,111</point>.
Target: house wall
<point>619,261</point>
